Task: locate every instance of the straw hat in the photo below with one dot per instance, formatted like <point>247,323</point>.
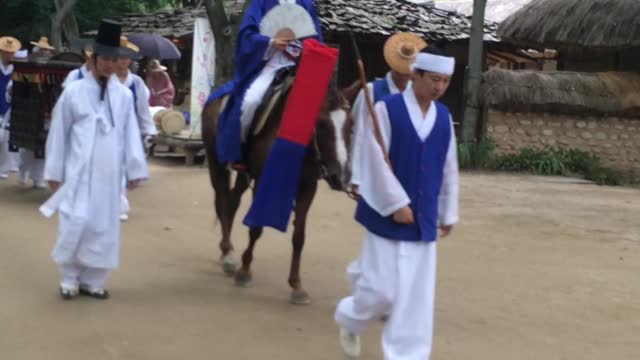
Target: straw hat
<point>154,66</point>
<point>131,49</point>
<point>43,43</point>
<point>401,49</point>
<point>9,44</point>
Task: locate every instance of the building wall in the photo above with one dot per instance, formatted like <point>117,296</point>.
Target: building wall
<point>616,141</point>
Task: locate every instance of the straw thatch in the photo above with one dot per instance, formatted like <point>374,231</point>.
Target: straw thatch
<point>602,94</point>
<point>590,23</point>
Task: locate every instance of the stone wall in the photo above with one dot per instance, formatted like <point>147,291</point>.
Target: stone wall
<point>616,141</point>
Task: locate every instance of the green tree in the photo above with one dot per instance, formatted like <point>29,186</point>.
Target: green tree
<point>29,19</point>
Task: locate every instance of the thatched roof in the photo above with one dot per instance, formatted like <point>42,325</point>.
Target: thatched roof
<point>591,23</point>
<point>610,93</point>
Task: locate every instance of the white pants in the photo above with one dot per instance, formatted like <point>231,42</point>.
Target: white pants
<point>29,164</point>
<point>124,202</point>
<point>7,159</point>
<point>256,92</point>
<point>74,274</point>
<point>396,278</point>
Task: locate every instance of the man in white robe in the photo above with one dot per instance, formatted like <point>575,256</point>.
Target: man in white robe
<point>402,206</point>
<point>140,109</point>
<point>94,136</point>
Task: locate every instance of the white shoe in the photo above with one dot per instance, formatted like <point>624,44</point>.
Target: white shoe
<point>40,185</point>
<point>124,217</point>
<point>4,176</point>
<point>350,343</point>
<point>68,292</point>
<point>21,178</point>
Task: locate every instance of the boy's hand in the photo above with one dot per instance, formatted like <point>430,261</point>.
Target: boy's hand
<point>54,185</point>
<point>404,216</point>
<point>445,230</point>
<point>133,184</point>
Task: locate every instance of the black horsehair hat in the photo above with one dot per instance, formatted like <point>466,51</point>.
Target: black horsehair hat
<point>107,42</point>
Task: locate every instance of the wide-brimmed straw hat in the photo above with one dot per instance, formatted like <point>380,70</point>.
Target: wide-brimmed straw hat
<point>131,50</point>
<point>401,49</point>
<point>43,43</point>
<point>155,66</point>
<point>9,44</point>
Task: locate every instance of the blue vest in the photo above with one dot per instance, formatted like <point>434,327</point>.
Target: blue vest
<point>4,83</point>
<point>419,167</point>
<point>380,90</point>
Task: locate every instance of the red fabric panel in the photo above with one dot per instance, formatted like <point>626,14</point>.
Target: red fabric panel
<point>308,92</point>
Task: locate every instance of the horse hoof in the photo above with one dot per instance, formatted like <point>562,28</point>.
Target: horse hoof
<point>300,297</point>
<point>243,279</point>
<point>229,266</point>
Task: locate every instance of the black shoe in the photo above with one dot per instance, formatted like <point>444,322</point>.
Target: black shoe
<point>99,294</point>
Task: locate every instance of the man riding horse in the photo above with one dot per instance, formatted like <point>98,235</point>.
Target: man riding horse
<point>267,42</point>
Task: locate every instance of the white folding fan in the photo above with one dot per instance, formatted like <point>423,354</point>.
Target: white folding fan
<point>288,16</point>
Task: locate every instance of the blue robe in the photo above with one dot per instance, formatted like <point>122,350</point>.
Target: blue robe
<point>250,51</point>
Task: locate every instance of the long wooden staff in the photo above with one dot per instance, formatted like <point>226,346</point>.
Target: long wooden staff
<point>363,84</point>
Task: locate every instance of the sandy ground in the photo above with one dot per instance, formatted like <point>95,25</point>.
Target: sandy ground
<point>538,269</point>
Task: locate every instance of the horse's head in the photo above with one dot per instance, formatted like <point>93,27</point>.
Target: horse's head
<point>332,139</point>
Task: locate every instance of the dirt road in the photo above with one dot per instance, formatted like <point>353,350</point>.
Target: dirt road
<point>538,269</point>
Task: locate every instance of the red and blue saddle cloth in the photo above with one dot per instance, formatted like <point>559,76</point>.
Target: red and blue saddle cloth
<point>278,186</point>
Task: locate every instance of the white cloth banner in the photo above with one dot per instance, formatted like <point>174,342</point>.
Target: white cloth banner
<point>202,70</point>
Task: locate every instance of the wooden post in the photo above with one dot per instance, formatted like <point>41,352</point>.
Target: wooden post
<point>473,79</point>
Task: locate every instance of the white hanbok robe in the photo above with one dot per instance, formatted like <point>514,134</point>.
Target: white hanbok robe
<point>90,142</point>
<point>360,114</point>
<point>391,277</point>
<point>74,75</point>
<point>7,158</point>
<point>142,109</point>
<point>146,124</point>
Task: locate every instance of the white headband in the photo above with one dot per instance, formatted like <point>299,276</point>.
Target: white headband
<point>434,63</point>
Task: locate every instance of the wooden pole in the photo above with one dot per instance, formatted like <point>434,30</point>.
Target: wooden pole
<point>474,74</point>
<point>374,118</point>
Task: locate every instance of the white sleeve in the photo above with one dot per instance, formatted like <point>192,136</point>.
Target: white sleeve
<point>71,76</point>
<point>448,199</point>
<point>8,92</point>
<point>134,157</point>
<point>58,139</point>
<point>147,126</point>
<point>379,186</point>
<point>360,114</point>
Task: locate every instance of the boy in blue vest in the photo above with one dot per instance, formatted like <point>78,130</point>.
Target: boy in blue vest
<point>8,47</point>
<point>402,207</point>
<point>400,52</point>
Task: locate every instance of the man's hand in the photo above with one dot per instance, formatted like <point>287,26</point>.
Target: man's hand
<point>404,216</point>
<point>280,43</point>
<point>133,184</point>
<point>54,185</point>
<point>445,230</point>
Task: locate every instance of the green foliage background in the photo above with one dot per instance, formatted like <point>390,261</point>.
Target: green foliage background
<point>29,19</point>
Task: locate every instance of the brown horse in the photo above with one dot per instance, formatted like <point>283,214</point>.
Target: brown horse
<point>327,157</point>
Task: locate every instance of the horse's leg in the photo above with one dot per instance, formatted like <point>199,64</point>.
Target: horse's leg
<point>243,276</point>
<point>305,196</point>
<point>231,203</point>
